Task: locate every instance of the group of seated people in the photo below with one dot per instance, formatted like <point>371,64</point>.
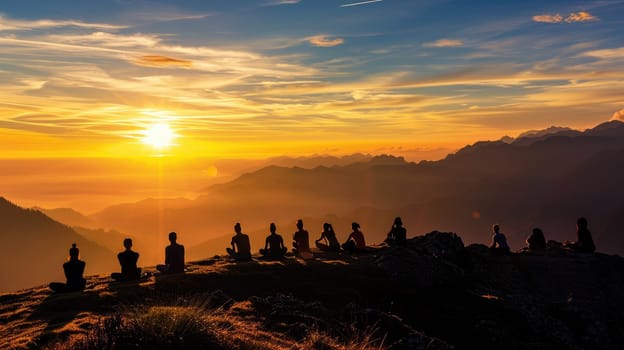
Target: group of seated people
<point>536,241</point>
<point>274,249</point>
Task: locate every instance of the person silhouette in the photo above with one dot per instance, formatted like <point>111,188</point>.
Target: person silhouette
<point>128,261</point>
<point>499,242</point>
<point>274,248</point>
<point>584,241</point>
<point>398,234</point>
<point>536,240</point>
<point>241,248</point>
<point>301,242</point>
<point>74,269</point>
<point>355,242</point>
<point>331,242</point>
<point>174,256</point>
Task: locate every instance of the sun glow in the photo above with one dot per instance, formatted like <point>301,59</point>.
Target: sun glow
<point>159,136</point>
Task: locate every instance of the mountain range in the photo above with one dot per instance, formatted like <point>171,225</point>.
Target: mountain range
<point>542,179</point>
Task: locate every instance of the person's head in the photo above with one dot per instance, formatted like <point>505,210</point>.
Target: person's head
<point>538,232</point>
<point>325,227</point>
<point>495,228</point>
<point>355,226</point>
<point>300,224</point>
<point>398,222</point>
<point>173,237</point>
<point>581,223</point>
<point>237,228</point>
<point>127,243</point>
<point>74,252</point>
<point>273,228</point>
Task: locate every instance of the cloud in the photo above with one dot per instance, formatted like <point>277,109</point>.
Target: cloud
<point>109,40</point>
<point>324,41</point>
<point>283,2</point>
<point>557,18</point>
<point>13,24</point>
<point>445,43</point>
<point>361,3</point>
<point>162,61</point>
<point>619,115</point>
<point>581,16</point>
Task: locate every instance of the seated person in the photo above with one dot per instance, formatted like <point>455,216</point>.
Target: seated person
<point>128,261</point>
<point>241,248</point>
<point>584,241</point>
<point>536,240</point>
<point>331,242</point>
<point>397,235</point>
<point>355,242</point>
<point>74,269</point>
<point>273,246</point>
<point>174,256</point>
<point>301,241</point>
<point>499,242</point>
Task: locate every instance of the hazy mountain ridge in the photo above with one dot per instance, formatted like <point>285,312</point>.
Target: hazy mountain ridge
<point>517,185</point>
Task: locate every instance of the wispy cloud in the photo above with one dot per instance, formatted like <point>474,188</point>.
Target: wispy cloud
<point>574,17</point>
<point>162,61</point>
<point>282,2</point>
<point>7,24</point>
<point>445,43</point>
<point>325,41</point>
<point>619,115</point>
<point>108,39</point>
<point>360,3</point>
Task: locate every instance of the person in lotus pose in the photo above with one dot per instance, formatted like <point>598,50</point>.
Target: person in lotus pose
<point>241,248</point>
<point>355,242</point>
<point>274,248</point>
<point>74,269</point>
<point>536,240</point>
<point>128,261</point>
<point>499,242</point>
<point>301,242</point>
<point>398,234</point>
<point>174,256</point>
<point>584,241</point>
<point>331,242</point>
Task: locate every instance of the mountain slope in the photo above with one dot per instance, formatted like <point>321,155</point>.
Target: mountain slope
<point>433,294</point>
<point>37,246</point>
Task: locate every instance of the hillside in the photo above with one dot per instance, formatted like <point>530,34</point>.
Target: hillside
<point>38,246</point>
<point>547,183</point>
<point>435,294</point>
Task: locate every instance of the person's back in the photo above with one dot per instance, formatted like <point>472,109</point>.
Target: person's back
<point>536,240</point>
<point>398,233</point>
<point>174,257</point>
<point>329,236</point>
<point>241,248</point>
<point>273,245</point>
<point>301,239</point>
<point>128,261</point>
<point>74,270</point>
<point>355,242</point>
<point>499,244</point>
<point>585,242</point>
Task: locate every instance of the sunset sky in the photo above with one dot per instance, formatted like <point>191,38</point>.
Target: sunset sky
<point>260,78</point>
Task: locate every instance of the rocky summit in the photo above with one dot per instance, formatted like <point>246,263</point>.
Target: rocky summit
<point>435,293</point>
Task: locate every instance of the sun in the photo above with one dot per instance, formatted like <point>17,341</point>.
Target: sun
<point>159,136</point>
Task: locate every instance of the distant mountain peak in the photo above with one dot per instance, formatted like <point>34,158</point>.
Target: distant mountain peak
<point>544,132</point>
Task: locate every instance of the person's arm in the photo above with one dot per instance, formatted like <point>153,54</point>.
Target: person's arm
<point>233,245</point>
<point>493,245</point>
<point>321,238</point>
<point>281,242</point>
<point>167,257</point>
<point>182,253</point>
<point>266,244</point>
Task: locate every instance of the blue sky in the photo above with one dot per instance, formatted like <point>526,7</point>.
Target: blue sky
<point>383,75</point>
